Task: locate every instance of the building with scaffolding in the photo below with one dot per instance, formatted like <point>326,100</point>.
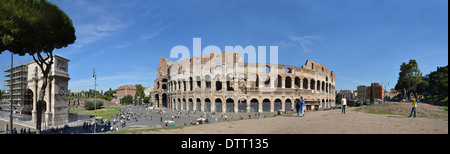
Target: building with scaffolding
<point>27,81</point>
<point>22,96</point>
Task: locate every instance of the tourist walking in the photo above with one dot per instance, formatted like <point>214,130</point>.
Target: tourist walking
<point>302,105</point>
<point>344,104</point>
<point>414,105</point>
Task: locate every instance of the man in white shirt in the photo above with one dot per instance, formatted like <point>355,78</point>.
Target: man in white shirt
<point>344,104</point>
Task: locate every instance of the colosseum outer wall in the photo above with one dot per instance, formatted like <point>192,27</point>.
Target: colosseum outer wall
<point>222,82</point>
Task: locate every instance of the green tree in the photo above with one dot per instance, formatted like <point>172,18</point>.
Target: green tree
<point>409,76</point>
<point>35,27</point>
<point>128,99</point>
<point>1,95</point>
<point>338,98</point>
<point>140,91</point>
<point>422,86</point>
<point>438,81</point>
<point>109,94</point>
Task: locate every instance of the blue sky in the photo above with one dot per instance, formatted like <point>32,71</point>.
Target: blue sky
<point>362,41</point>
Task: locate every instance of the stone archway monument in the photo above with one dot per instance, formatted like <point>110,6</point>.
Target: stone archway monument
<point>55,110</point>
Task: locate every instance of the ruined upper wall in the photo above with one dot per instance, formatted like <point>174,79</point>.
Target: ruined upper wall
<point>232,63</point>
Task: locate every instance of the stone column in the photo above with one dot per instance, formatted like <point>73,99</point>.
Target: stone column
<point>236,102</point>
<point>272,105</point>
<point>202,105</point>
<point>35,98</point>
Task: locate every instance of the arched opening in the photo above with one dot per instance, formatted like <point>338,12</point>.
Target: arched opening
<point>288,70</point>
<point>313,83</point>
<point>266,68</point>
<point>208,81</point>
<point>288,82</point>
<point>279,81</point>
<point>184,104</point>
<point>318,85</point>
<point>305,83</point>
<point>267,81</point>
<point>164,100</point>
<point>179,104</point>
<point>199,81</point>
<point>190,105</point>
<point>277,105</point>
<point>218,104</point>
<point>287,105</point>
<point>266,105</point>
<point>190,84</point>
<point>230,105</point>
<point>323,104</point>
<point>297,82</point>
<point>254,105</point>
<point>242,106</point>
<point>230,82</point>
<point>157,100</point>
<point>198,104</point>
<point>207,105</point>
<point>323,86</point>
<point>256,80</point>
<point>218,84</point>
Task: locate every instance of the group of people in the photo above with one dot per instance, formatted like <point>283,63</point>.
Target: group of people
<point>300,107</point>
<point>22,131</point>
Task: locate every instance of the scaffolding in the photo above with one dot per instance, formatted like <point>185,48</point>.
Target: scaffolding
<point>22,96</point>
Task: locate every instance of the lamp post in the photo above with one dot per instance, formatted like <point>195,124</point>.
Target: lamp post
<point>11,96</point>
<point>95,102</point>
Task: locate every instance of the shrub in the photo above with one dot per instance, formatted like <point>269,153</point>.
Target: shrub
<point>89,105</point>
<point>128,99</point>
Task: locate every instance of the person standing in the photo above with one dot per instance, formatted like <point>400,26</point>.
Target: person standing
<point>344,104</point>
<point>414,110</point>
<point>297,107</point>
<point>302,105</point>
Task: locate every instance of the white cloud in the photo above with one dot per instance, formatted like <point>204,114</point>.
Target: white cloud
<point>304,40</point>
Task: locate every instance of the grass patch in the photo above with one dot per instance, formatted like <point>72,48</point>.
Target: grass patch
<point>381,112</point>
<point>105,113</point>
<point>445,108</point>
<point>404,109</point>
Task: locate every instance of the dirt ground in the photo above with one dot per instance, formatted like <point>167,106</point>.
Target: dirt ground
<point>430,120</point>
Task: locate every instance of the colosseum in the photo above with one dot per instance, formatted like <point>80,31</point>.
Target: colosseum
<point>222,82</point>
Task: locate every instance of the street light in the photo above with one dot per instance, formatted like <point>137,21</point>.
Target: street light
<point>95,101</point>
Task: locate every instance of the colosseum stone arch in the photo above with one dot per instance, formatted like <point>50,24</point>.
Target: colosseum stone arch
<point>223,82</point>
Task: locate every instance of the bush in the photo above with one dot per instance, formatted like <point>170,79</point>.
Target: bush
<point>89,105</point>
<point>128,99</point>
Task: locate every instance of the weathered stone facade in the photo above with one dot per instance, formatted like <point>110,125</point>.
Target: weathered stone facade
<point>56,111</point>
<point>222,82</point>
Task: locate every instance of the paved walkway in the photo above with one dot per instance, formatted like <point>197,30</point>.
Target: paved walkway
<point>154,119</point>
